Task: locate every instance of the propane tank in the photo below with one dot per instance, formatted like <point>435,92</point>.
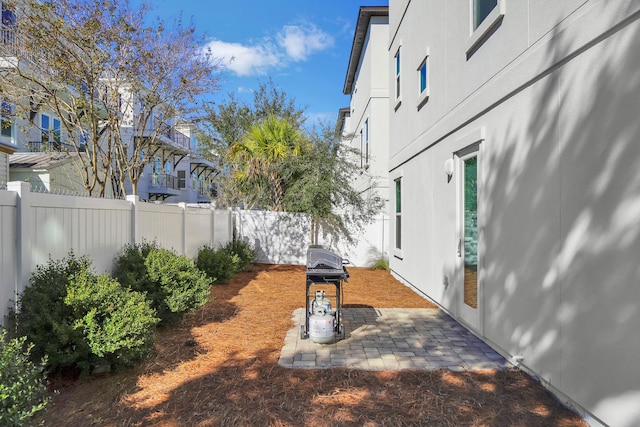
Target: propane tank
<point>320,303</point>
<point>321,320</point>
<point>321,327</point>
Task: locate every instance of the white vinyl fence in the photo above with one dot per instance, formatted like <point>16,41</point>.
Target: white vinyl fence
<point>36,226</point>
<point>283,238</point>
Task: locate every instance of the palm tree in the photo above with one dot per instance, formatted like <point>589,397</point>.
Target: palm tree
<point>260,155</point>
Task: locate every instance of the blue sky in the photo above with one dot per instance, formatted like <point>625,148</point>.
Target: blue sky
<point>302,45</point>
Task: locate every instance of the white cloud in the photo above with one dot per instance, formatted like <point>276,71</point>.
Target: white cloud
<point>300,42</point>
<point>242,89</point>
<point>294,44</point>
<point>245,60</point>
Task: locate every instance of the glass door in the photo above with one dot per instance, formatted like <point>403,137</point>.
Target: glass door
<point>468,237</point>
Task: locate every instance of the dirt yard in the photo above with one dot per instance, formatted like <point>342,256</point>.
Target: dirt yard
<point>219,367</point>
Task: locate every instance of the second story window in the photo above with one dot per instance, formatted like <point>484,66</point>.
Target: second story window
<point>45,123</point>
<point>423,81</point>
<point>397,70</point>
<point>481,9</point>
<point>366,141</point>
<point>8,24</point>
<point>6,125</point>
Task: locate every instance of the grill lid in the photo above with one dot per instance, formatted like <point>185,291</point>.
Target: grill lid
<point>320,258</point>
<point>323,264</point>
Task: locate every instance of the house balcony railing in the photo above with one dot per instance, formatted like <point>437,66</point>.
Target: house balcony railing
<point>13,46</point>
<point>164,180</point>
<point>52,146</point>
<point>167,131</point>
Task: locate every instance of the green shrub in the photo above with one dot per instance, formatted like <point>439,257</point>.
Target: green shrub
<point>130,270</point>
<point>243,250</point>
<point>380,264</point>
<point>218,264</point>
<point>117,323</point>
<point>22,389</point>
<point>176,284</point>
<point>47,321</point>
<point>224,263</point>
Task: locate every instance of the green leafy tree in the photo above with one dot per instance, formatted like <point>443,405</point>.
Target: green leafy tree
<point>323,187</point>
<point>262,154</point>
<point>227,124</point>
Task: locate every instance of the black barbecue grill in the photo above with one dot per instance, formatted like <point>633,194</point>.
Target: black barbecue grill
<point>325,267</point>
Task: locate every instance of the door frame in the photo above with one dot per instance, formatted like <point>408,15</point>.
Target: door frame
<point>472,317</point>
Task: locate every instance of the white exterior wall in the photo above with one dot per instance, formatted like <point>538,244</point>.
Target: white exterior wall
<point>4,167</point>
<point>553,95</point>
<point>369,101</point>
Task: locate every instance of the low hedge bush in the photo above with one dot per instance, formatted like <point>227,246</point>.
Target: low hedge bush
<point>23,392</point>
<point>118,324</point>
<point>81,321</point>
<point>224,263</point>
<point>171,282</point>
<point>47,321</point>
<point>183,286</point>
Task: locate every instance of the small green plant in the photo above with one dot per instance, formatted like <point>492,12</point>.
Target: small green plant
<point>171,282</point>
<point>47,321</point>
<point>181,285</point>
<point>380,264</point>
<point>118,324</point>
<point>224,263</point>
<point>244,251</point>
<point>218,264</point>
<point>23,392</point>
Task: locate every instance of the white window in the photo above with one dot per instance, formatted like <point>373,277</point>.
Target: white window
<point>7,126</point>
<point>397,73</point>
<point>398,214</point>
<point>361,149</point>
<point>366,141</point>
<point>485,17</point>
<point>423,81</point>
<point>482,9</point>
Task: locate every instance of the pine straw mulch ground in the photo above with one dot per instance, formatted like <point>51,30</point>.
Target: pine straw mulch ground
<point>219,367</point>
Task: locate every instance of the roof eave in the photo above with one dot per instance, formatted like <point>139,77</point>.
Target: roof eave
<point>362,27</point>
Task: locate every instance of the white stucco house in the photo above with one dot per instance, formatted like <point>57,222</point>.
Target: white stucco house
<point>515,196</point>
<point>365,124</point>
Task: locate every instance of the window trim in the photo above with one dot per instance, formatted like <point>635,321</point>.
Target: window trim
<point>7,123</point>
<point>397,81</point>
<point>480,34</point>
<point>423,96</point>
<point>398,252</point>
<point>366,142</point>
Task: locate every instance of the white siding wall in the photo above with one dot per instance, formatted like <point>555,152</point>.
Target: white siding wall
<point>555,91</point>
<point>369,101</point>
<point>4,168</point>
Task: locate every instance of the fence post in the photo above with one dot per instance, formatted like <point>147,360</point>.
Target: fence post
<point>134,218</point>
<point>23,234</point>
<point>212,236</point>
<point>183,206</point>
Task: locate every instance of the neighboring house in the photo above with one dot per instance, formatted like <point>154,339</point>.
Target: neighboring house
<point>163,178</point>
<point>365,124</point>
<point>47,172</point>
<point>367,83</point>
<point>7,147</point>
<point>515,202</point>
<point>195,175</point>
